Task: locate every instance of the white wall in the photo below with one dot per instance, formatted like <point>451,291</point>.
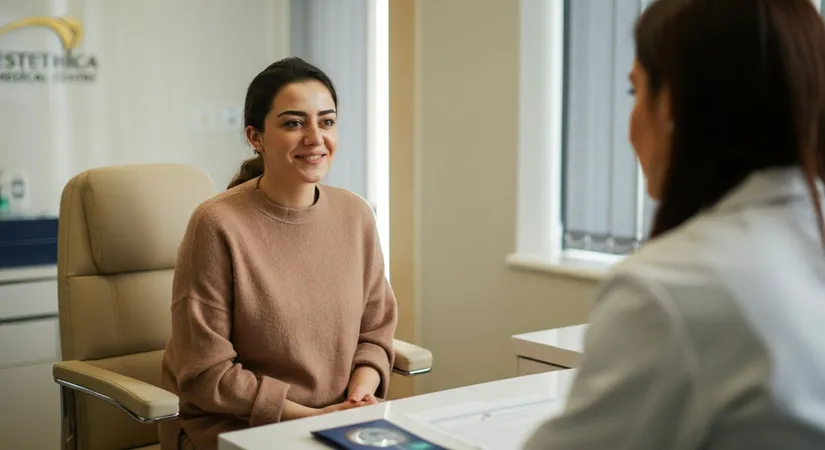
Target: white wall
<point>163,65</point>
<point>169,76</point>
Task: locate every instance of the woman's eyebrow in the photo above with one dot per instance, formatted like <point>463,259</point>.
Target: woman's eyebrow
<point>292,112</point>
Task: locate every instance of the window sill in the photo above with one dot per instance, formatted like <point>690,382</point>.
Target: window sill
<point>575,264</point>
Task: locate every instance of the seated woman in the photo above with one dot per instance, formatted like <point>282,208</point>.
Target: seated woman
<point>712,336</point>
<point>280,308</point>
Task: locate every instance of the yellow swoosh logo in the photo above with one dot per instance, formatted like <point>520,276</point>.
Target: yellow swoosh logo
<point>69,30</point>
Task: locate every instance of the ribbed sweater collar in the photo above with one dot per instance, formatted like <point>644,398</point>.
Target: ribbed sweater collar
<point>282,213</point>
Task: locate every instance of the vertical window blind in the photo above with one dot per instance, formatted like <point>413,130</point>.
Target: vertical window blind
<point>603,207</point>
<point>334,36</point>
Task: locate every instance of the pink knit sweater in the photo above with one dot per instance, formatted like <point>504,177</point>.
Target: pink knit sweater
<point>271,303</point>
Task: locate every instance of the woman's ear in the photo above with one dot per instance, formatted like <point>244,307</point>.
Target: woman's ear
<point>255,139</point>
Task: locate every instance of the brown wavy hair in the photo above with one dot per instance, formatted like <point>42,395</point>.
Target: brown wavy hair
<point>747,86</point>
<point>260,96</point>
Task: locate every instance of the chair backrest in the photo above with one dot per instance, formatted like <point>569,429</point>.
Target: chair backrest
<point>119,231</point>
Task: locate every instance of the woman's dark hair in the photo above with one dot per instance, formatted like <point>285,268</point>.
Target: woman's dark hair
<point>747,86</point>
<point>260,96</point>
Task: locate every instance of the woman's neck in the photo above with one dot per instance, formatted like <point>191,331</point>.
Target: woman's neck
<point>295,197</point>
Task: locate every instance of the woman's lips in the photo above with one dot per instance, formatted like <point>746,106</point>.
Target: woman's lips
<point>314,159</point>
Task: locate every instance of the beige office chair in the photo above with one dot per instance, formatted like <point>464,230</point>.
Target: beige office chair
<point>119,231</point>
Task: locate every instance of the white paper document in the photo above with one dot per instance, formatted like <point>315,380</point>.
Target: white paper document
<point>499,425</point>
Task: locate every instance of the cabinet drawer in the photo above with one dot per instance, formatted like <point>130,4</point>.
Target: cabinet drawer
<point>28,299</point>
<point>526,366</point>
<point>30,416</point>
<point>29,342</point>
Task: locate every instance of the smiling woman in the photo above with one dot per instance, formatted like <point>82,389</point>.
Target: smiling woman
<point>290,116</point>
<point>302,131</point>
<point>281,308</point>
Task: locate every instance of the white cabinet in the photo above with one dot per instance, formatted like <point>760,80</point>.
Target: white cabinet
<point>23,300</point>
<point>30,413</point>
<point>548,350</point>
<point>29,345</point>
<point>32,341</point>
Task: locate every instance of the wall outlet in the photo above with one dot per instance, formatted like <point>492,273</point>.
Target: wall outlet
<point>205,118</point>
<point>231,118</point>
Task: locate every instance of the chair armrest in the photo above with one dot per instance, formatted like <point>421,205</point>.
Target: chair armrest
<point>143,401</point>
<point>411,359</point>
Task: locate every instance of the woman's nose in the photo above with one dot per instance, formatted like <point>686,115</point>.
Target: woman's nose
<point>312,136</point>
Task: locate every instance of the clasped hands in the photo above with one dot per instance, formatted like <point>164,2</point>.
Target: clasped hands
<point>361,391</point>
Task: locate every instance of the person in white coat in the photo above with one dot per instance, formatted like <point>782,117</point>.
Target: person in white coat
<point>712,336</point>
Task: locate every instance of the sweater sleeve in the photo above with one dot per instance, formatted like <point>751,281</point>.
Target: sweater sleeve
<point>380,317</point>
<point>207,374</point>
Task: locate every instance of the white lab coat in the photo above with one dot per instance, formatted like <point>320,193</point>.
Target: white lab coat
<point>711,337</point>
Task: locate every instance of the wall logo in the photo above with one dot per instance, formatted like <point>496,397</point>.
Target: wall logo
<point>67,29</point>
<point>43,66</point>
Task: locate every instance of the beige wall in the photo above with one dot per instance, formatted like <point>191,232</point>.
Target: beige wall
<point>403,179</point>
<point>460,197</point>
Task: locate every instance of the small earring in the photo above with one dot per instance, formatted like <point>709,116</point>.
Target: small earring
<point>256,151</point>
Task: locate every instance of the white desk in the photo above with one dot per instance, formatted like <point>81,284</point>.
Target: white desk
<point>295,435</point>
<point>548,350</point>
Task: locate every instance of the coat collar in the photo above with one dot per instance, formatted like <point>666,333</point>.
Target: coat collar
<point>780,185</point>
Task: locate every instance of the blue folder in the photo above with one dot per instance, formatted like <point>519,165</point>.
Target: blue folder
<point>373,435</point>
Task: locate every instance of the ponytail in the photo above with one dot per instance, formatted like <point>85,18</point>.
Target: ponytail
<point>251,168</point>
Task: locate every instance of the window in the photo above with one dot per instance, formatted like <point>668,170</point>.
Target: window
<point>605,207</point>
<point>335,37</point>
<point>350,42</point>
<point>378,146</point>
<point>582,201</point>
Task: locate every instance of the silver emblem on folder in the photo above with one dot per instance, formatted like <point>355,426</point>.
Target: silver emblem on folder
<point>376,437</point>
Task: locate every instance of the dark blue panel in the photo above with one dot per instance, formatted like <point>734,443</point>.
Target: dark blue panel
<point>28,242</point>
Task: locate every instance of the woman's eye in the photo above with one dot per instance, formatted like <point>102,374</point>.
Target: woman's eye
<point>329,122</point>
<point>292,124</point>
